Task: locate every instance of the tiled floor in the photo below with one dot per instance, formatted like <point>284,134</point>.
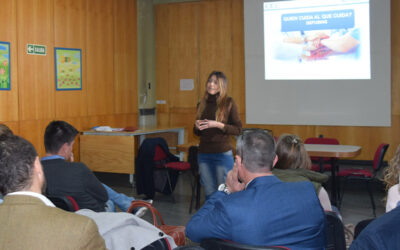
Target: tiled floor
<point>356,204</point>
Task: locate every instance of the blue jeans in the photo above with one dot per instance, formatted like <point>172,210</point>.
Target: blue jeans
<point>213,169</point>
<point>117,199</point>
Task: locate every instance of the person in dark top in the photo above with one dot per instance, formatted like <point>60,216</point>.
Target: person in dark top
<point>74,179</point>
<point>5,132</point>
<point>217,119</point>
<point>65,177</point>
<point>380,234</point>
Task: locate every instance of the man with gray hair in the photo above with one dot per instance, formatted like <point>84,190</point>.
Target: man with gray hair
<point>28,219</point>
<point>254,207</point>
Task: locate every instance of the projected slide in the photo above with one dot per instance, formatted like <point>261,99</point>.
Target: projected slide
<point>327,39</point>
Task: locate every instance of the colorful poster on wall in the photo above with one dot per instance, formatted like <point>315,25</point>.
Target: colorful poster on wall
<point>5,69</point>
<point>68,68</point>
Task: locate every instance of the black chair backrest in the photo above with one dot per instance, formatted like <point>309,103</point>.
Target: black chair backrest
<point>62,202</point>
<point>192,159</point>
<point>160,244</point>
<point>218,244</point>
<point>334,232</point>
<point>379,155</point>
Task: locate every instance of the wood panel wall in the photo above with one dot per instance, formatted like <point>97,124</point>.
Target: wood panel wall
<point>213,35</point>
<point>104,30</point>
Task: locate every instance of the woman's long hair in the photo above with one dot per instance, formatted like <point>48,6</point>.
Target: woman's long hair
<point>291,153</point>
<point>221,100</point>
<point>391,177</point>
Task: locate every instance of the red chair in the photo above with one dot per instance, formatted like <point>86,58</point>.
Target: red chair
<point>321,164</point>
<point>73,202</point>
<point>160,162</point>
<point>364,174</point>
<point>66,203</point>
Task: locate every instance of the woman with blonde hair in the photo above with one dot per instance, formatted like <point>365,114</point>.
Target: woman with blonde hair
<point>217,119</point>
<point>392,182</point>
<point>294,165</point>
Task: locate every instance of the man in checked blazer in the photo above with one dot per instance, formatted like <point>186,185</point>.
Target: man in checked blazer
<point>28,219</point>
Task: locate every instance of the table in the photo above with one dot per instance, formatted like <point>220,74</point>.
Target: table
<point>184,148</point>
<point>334,152</point>
<point>114,152</point>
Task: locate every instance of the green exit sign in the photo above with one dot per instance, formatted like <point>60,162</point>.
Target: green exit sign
<point>34,49</point>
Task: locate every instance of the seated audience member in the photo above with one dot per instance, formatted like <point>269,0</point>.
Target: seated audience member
<point>28,219</point>
<point>391,179</point>
<point>254,207</point>
<point>4,131</point>
<point>380,234</point>
<point>65,177</point>
<point>392,182</point>
<point>294,164</point>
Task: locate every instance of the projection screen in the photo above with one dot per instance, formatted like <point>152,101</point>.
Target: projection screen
<point>310,62</point>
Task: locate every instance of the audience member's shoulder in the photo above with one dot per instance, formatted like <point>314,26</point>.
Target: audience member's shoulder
<point>308,172</point>
<point>301,185</point>
<point>394,190</point>
<point>65,215</point>
<point>385,221</point>
<point>302,189</point>
<point>79,165</point>
<point>381,233</point>
<point>85,230</point>
<point>288,175</point>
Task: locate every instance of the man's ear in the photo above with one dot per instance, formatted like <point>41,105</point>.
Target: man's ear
<point>38,172</point>
<point>63,149</point>
<point>38,178</point>
<point>37,166</point>
<point>275,161</point>
<point>238,160</point>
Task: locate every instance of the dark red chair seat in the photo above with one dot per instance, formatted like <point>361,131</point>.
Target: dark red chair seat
<point>355,172</point>
<point>160,160</point>
<point>317,167</point>
<point>365,175</point>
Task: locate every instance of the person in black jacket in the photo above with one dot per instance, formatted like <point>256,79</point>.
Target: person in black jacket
<point>66,177</point>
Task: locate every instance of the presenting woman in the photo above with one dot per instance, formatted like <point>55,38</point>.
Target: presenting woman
<point>217,119</point>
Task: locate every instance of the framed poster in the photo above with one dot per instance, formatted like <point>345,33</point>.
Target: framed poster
<point>68,68</point>
<point>5,67</point>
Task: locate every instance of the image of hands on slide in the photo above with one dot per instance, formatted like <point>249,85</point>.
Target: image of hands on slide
<point>317,39</point>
